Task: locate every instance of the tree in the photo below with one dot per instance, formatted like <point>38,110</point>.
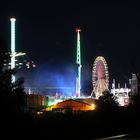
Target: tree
<point>11,93</point>
<point>107,101</point>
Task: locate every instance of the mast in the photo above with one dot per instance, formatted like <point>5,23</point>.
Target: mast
<point>78,62</point>
<point>13,53</point>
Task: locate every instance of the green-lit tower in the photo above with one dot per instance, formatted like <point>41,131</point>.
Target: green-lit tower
<point>13,53</point>
<point>78,62</point>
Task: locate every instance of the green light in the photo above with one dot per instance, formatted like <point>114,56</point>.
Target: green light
<point>78,62</point>
<point>51,102</point>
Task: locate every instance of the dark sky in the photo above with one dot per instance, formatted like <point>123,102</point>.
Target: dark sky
<point>45,30</point>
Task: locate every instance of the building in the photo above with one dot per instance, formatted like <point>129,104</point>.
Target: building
<point>34,101</point>
<point>73,105</point>
<point>134,84</point>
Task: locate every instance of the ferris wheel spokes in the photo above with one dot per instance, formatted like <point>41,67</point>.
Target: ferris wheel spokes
<point>100,77</point>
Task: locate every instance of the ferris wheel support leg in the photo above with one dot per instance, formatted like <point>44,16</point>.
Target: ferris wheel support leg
<point>92,93</point>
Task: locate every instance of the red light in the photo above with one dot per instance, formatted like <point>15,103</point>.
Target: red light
<point>126,100</point>
<point>78,30</point>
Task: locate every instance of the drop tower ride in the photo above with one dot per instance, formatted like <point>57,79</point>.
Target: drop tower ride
<point>78,62</point>
<point>13,53</point>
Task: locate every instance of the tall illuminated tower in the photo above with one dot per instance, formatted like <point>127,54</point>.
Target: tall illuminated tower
<point>13,53</point>
<point>78,62</point>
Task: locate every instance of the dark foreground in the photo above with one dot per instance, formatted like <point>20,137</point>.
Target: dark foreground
<point>83,125</point>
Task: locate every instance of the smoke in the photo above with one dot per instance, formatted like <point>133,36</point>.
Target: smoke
<point>48,79</point>
<point>53,77</point>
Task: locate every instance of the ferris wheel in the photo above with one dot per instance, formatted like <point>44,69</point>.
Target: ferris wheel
<point>100,77</point>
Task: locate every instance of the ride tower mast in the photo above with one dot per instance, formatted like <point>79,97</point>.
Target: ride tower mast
<point>13,53</point>
<point>78,62</point>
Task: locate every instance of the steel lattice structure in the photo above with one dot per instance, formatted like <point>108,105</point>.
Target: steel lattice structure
<point>100,77</point>
<point>78,62</point>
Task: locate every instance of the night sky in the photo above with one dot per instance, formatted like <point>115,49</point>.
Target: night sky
<point>45,30</point>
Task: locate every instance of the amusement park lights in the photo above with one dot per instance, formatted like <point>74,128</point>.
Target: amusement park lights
<point>100,77</point>
<point>13,46</point>
<point>14,54</point>
<point>93,106</point>
<point>78,62</point>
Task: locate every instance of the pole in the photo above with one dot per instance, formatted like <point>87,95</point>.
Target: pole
<point>13,46</point>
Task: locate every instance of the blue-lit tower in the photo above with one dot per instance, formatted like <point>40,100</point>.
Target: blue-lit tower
<point>78,62</point>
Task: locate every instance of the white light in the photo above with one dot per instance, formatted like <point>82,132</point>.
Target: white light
<point>93,106</point>
<point>13,46</point>
<point>12,19</point>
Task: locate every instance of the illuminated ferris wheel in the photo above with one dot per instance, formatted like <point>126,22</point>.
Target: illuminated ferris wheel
<point>100,77</point>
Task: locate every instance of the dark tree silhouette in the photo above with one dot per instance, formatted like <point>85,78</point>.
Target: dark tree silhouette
<point>11,93</point>
<point>107,101</point>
